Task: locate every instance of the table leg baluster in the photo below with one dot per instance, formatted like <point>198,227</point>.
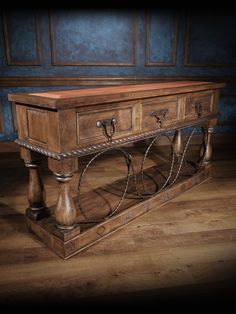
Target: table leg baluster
<point>36,193</point>
<point>65,212</point>
<point>208,146</point>
<point>178,143</point>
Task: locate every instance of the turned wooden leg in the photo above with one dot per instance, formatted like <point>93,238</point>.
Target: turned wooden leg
<point>65,212</point>
<point>208,147</point>
<point>178,144</point>
<point>36,194</point>
<point>203,145</point>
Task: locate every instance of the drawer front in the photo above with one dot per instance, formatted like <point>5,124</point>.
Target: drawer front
<point>159,112</point>
<point>96,127</point>
<point>198,105</point>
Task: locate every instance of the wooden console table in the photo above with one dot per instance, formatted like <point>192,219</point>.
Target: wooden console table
<point>65,125</point>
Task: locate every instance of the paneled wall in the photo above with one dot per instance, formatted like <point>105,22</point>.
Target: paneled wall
<point>63,49</point>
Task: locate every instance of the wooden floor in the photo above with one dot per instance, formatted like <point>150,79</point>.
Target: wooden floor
<point>188,243</point>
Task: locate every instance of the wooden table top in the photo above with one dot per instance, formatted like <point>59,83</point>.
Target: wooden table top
<point>66,99</point>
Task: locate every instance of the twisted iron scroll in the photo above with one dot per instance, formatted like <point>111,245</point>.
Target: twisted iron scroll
<point>130,170</point>
<point>128,160</point>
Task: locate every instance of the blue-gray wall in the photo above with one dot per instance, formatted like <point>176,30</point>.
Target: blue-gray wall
<point>38,49</point>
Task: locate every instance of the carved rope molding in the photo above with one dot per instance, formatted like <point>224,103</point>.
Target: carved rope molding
<point>114,143</point>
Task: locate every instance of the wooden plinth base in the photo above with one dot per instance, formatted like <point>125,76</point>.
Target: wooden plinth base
<point>78,239</point>
<point>36,215</point>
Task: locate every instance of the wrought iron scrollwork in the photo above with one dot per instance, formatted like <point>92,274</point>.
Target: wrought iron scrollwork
<point>170,170</point>
<point>170,177</point>
<point>128,161</point>
<point>169,181</point>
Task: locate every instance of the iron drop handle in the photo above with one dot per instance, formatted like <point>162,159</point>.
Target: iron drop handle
<point>159,115</point>
<point>198,109</point>
<point>105,124</point>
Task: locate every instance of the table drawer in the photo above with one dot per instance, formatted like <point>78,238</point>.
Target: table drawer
<point>159,112</point>
<point>97,126</point>
<point>198,105</point>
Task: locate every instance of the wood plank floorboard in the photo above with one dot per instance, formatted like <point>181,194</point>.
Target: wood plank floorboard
<point>188,243</point>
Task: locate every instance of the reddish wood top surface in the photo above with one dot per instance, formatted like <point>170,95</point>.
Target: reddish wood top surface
<point>66,99</point>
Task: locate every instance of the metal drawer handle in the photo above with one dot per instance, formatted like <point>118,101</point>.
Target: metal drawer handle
<point>159,115</point>
<point>198,109</point>
<point>111,123</point>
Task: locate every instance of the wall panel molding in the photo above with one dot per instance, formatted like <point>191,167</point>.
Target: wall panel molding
<point>187,62</point>
<point>174,44</point>
<point>55,62</point>
<point>10,60</point>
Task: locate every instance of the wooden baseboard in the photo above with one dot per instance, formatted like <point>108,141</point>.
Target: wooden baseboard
<point>9,147</point>
<point>103,80</point>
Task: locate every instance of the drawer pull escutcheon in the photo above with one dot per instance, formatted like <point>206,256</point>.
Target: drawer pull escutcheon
<point>198,109</point>
<point>105,124</point>
<point>159,115</point>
